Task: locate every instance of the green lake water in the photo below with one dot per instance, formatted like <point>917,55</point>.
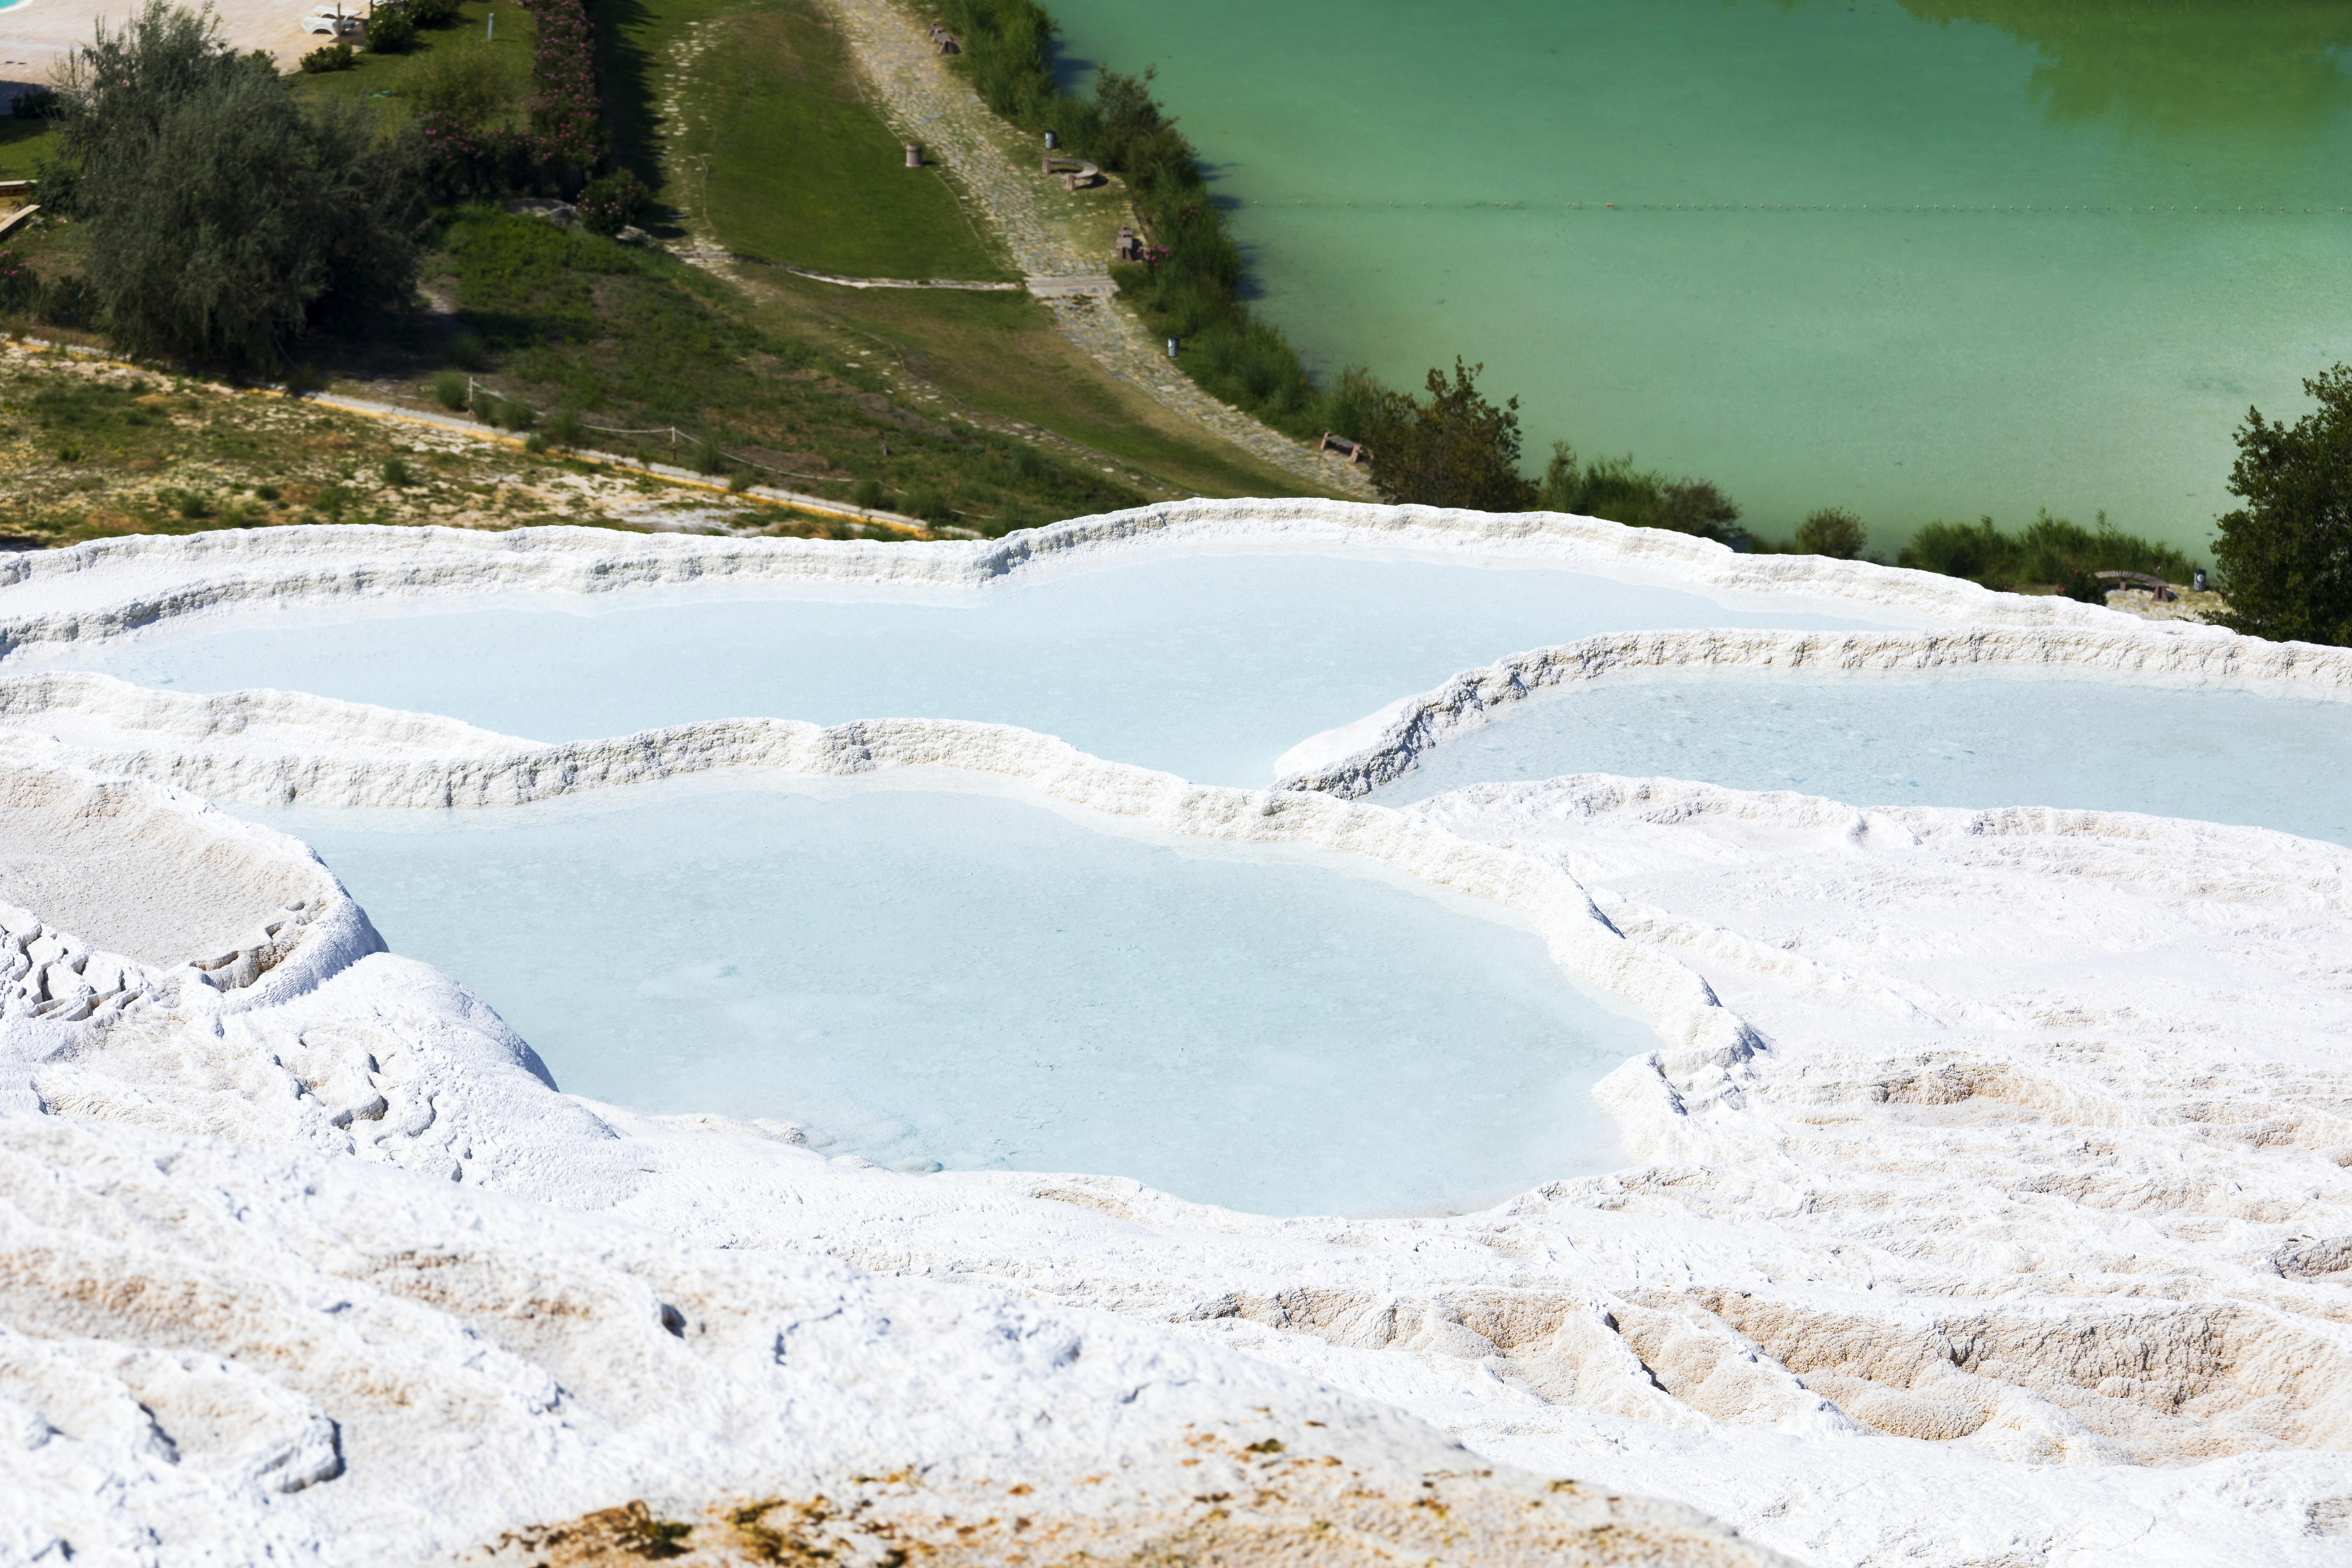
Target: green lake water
<point>1935,259</point>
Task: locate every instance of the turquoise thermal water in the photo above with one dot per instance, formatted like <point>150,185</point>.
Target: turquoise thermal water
<point>1934,259</point>
<point>922,976</point>
<point>1210,667</point>
<point>2214,756</point>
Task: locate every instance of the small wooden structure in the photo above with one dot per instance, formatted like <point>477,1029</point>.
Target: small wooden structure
<point>1354,451</point>
<point>2156,585</point>
<point>1129,249</point>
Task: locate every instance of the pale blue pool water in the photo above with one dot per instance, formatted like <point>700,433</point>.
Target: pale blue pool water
<point>921,976</point>
<point>2212,755</point>
<point>1210,667</point>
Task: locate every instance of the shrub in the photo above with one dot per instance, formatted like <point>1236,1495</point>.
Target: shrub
<point>458,84</point>
<point>1612,488</point>
<point>564,109</point>
<point>449,391</point>
<point>20,286</point>
<point>612,203</point>
<point>1833,532</point>
<point>36,103</point>
<point>2286,556</point>
<point>2084,587</point>
<point>1976,551</point>
<point>222,215</point>
<point>390,31</point>
<point>2051,551</point>
<point>433,12</point>
<point>1455,449</point>
<point>535,442</point>
<point>706,457</point>
<point>742,480</point>
<point>394,472</point>
<point>69,300</point>
<point>511,415</point>
<point>192,505</point>
<point>923,499</point>
<point>330,58</point>
<point>865,494</point>
<point>564,429</point>
<point>484,406</point>
<point>56,179</point>
<point>467,353</point>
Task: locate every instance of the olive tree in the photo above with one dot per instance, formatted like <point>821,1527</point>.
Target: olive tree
<point>2286,557</point>
<point>224,217</point>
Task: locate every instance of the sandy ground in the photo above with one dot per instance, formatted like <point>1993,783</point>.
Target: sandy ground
<point>35,35</point>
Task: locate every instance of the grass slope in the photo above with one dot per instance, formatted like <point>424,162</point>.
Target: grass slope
<point>90,449</point>
<point>633,338</point>
<point>23,144</point>
<point>1000,358</point>
<point>998,361</point>
<point>789,162</point>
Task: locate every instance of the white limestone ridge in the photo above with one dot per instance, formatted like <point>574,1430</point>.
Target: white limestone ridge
<point>1358,757</point>
<point>1992,1200</point>
<point>109,588</point>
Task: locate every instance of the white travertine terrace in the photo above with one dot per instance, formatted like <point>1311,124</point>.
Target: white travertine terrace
<point>1991,1204</point>
<point>1359,757</point>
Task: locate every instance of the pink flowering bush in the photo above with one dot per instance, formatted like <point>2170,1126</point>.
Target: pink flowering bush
<point>566,135</point>
<point>564,111</point>
<point>18,286</point>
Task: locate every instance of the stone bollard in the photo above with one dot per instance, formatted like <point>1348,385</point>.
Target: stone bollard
<point>914,154</point>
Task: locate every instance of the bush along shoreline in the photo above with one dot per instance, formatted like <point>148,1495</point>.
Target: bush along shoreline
<point>1189,286</point>
<point>1452,446</point>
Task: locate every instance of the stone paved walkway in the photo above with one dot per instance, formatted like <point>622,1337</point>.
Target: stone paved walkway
<point>1049,233</point>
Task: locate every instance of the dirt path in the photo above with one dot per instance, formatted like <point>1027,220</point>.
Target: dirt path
<point>1051,233</point>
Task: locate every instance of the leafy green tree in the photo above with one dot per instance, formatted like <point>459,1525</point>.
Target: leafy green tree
<point>1833,532</point>
<point>2286,557</point>
<point>223,218</point>
<point>1455,449</point>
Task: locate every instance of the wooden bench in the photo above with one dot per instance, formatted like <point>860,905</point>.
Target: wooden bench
<point>2156,585</point>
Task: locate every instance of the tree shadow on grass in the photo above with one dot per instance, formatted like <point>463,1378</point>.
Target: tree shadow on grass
<point>632,119</point>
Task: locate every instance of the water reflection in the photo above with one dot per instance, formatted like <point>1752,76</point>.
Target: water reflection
<point>2177,67</point>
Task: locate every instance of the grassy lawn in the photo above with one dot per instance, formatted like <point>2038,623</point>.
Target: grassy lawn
<point>377,79</point>
<point>633,338</point>
<point>999,358</point>
<point>788,162</point>
<point>746,117</point>
<point>23,144</point>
